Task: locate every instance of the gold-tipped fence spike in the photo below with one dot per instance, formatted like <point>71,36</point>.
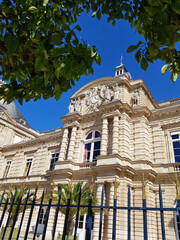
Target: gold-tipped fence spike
<point>91,187</point>
<point>116,184</point>
<point>143,187</point>
<point>177,187</point>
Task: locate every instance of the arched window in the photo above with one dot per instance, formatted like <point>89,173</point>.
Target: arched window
<point>92,145</point>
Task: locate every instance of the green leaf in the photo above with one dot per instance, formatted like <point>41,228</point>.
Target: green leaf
<point>93,52</point>
<point>138,56</point>
<point>33,9</point>
<point>56,39</point>
<point>131,48</point>
<point>144,64</point>
<point>40,63</point>
<point>45,2</point>
<point>93,14</point>
<point>174,77</point>
<point>164,68</point>
<point>153,50</point>
<point>98,59</point>
<point>175,6</point>
<point>78,28</point>
<point>12,44</point>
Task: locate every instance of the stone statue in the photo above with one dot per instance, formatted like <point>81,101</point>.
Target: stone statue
<point>78,105</point>
<point>71,107</point>
<point>107,94</point>
<point>88,97</point>
<point>135,97</point>
<point>116,89</point>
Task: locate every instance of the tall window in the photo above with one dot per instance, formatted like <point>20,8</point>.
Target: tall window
<point>176,146</point>
<point>92,145</point>
<point>6,171</point>
<point>177,225</point>
<point>28,166</point>
<point>54,158</point>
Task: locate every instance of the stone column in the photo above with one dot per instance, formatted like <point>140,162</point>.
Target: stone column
<point>109,224</point>
<point>104,137</point>
<point>72,143</point>
<point>97,214</point>
<point>64,145</point>
<point>115,140</point>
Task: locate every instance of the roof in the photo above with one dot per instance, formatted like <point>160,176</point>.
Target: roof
<point>13,112</point>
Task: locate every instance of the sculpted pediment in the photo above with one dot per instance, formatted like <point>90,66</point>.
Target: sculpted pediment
<point>95,94</point>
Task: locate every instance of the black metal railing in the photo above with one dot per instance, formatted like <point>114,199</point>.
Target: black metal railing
<point>6,203</point>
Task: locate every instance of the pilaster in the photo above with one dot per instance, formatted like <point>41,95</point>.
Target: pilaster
<point>104,137</point>
<point>115,139</point>
<point>72,143</point>
<point>64,144</point>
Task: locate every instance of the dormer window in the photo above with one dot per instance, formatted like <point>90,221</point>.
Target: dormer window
<point>92,146</point>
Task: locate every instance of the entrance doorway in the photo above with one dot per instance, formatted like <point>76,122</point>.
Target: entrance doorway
<point>81,229</point>
<point>41,222</point>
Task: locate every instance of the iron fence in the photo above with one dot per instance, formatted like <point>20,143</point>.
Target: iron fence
<point>144,209</point>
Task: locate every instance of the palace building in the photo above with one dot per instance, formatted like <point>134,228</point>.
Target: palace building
<point>114,129</point>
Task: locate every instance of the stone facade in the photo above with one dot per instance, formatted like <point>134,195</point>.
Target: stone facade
<point>136,137</point>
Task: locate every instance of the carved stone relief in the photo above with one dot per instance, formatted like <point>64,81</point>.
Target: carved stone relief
<point>94,97</point>
<point>135,98</point>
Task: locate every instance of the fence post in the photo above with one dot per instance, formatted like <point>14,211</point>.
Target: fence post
<point>47,218</point>
<point>77,214</point>
<point>27,197</point>
<point>144,208</point>
<point>162,213</point>
<point>56,215</point>
<point>114,209</point>
<point>12,203</point>
<point>39,212</point>
<point>89,216</point>
<point>101,213</point>
<point>129,213</point>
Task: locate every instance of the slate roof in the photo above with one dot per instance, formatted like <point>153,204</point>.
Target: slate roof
<point>14,112</point>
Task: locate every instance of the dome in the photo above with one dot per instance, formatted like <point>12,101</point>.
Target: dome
<point>13,112</point>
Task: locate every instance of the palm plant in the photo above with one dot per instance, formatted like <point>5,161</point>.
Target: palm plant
<point>71,191</point>
<point>15,196</point>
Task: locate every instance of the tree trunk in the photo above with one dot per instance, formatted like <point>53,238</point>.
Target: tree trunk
<point>10,222</point>
<point>70,227</point>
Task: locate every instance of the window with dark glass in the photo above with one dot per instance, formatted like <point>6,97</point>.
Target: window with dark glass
<point>6,171</point>
<point>176,146</point>
<point>177,225</point>
<point>92,145</point>
<point>28,166</point>
<point>54,158</point>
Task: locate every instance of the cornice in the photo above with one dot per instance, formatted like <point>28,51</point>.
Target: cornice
<point>42,138</point>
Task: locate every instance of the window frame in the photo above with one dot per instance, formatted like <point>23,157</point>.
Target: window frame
<point>54,161</point>
<point>174,140</point>
<point>27,170</point>
<point>92,141</point>
<point>7,168</point>
<point>177,232</point>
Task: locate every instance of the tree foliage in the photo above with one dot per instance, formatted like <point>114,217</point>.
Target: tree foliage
<point>16,195</point>
<point>71,191</point>
<point>41,55</point>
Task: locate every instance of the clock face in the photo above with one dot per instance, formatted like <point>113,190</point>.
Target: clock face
<point>95,99</point>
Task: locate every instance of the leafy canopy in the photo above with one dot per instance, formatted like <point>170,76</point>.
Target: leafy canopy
<point>41,55</point>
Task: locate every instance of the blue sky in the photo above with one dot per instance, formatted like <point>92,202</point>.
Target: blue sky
<point>44,115</point>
